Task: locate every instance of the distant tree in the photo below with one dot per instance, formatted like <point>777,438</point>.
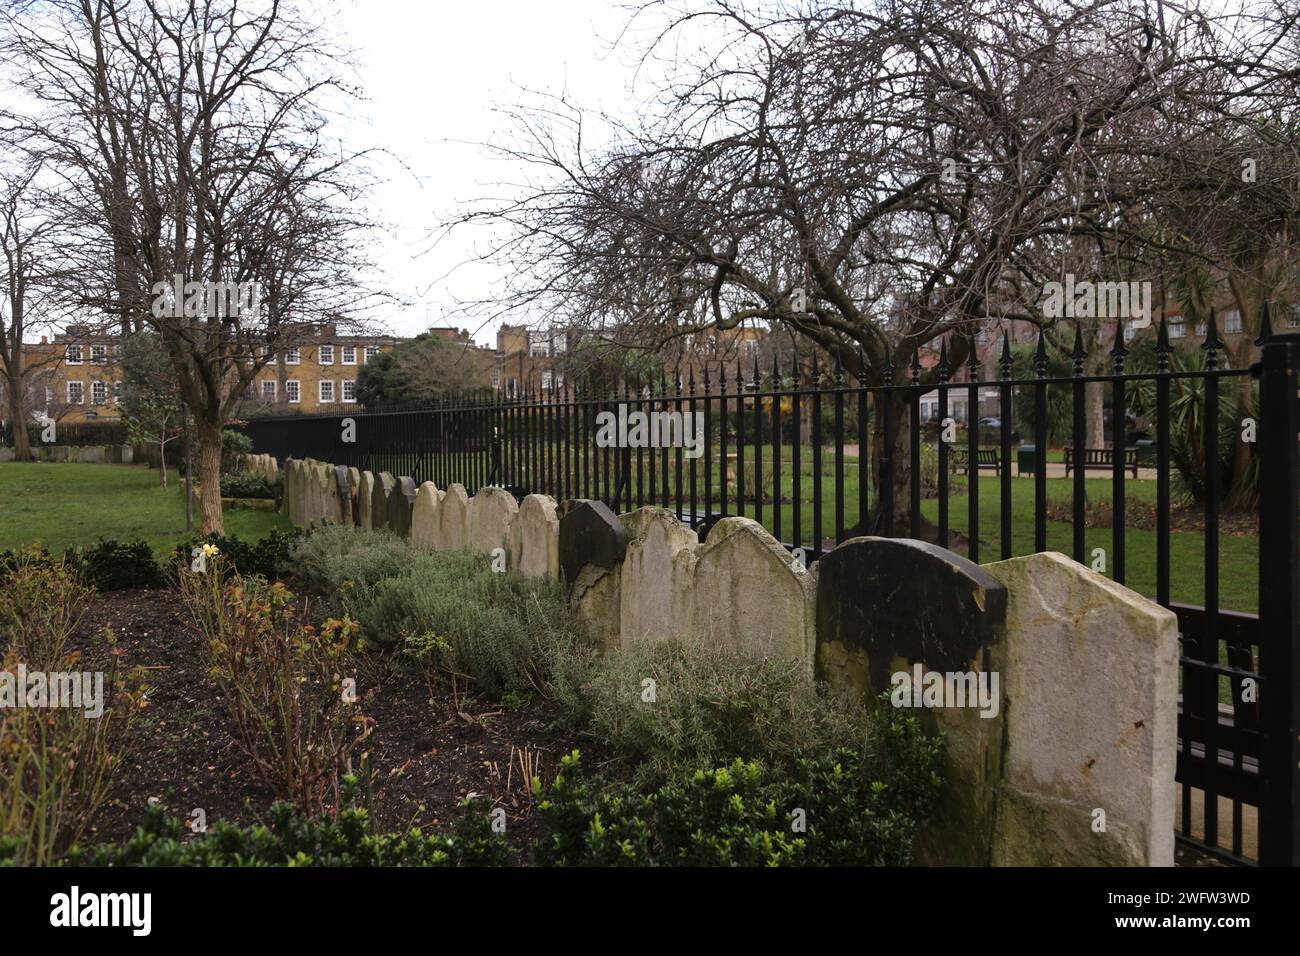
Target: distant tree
<point>151,403</point>
<point>423,369</point>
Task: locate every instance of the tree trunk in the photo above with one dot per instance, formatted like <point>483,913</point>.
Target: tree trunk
<point>18,417</point>
<point>162,463</point>
<point>210,478</point>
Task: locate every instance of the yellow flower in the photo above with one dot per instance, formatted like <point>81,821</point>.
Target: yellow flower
<point>211,550</point>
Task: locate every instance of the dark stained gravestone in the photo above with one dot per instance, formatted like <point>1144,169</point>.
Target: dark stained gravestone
<point>400,502</point>
<point>589,534</point>
<point>889,607</point>
<point>347,506</point>
<point>882,599</point>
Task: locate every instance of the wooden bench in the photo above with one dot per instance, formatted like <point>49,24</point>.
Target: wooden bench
<point>1102,459</point>
<point>985,458</point>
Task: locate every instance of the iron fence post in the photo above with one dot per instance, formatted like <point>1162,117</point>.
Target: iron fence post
<point>1279,601</point>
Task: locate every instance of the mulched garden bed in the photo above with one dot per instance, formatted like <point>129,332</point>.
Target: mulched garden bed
<point>430,748</point>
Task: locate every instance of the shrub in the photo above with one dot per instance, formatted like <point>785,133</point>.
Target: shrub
<point>711,705</point>
<point>339,558</point>
<point>56,762</point>
<point>114,566</point>
<point>268,557</point>
<point>280,681</point>
<point>245,484</point>
<point>829,810</point>
<point>233,444</point>
<point>448,611</point>
<point>292,839</point>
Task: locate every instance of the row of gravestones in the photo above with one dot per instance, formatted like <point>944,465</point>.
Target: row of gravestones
<point>263,466</point>
<point>1069,760</point>
<point>526,535</point>
<point>87,454</point>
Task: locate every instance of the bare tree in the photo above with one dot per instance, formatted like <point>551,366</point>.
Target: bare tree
<point>25,233</point>
<point>193,139</point>
<point>872,178</point>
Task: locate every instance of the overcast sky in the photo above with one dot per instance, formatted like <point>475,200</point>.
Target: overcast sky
<point>432,73</point>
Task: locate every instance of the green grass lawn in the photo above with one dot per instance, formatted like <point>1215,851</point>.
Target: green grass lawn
<point>60,504</point>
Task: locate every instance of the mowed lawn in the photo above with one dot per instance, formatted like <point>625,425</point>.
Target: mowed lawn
<point>60,504</point>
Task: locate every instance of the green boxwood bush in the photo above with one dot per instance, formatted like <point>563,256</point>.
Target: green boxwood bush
<point>268,557</point>
<point>292,839</point>
<point>245,484</point>
<point>836,809</point>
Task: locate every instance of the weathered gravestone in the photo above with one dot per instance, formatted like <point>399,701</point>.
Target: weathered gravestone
<point>365,499</point>
<point>344,493</point>
<point>384,485</point>
<point>491,513</point>
<point>424,516</point>
<point>354,488</point>
<point>752,596</point>
<point>453,519</point>
<point>592,545</point>
<point>895,606</point>
<point>400,502</point>
<point>1090,676</point>
<point>535,538</point>
<point>658,577</point>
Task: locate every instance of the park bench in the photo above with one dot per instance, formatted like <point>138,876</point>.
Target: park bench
<point>986,458</point>
<point>1102,459</point>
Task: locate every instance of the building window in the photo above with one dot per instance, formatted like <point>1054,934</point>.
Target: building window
<point>291,356</point>
<point>99,355</point>
<point>327,355</point>
<point>546,379</point>
<point>1177,329</point>
<point>76,393</point>
<point>349,355</point>
<point>117,393</point>
<point>325,391</point>
<point>271,359</point>
<point>371,352</point>
<point>250,391</point>
<point>539,349</point>
<point>268,390</point>
<point>49,396</point>
<point>1232,321</point>
<point>98,393</point>
<point>1201,329</point>
<point>293,391</point>
<point>349,390</point>
<point>558,345</point>
<point>1129,333</point>
<point>1293,318</point>
<point>495,377</point>
<point>559,380</point>
<point>72,355</point>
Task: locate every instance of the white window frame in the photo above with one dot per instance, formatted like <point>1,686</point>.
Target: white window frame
<point>320,391</point>
<point>72,350</point>
<point>325,354</point>
<point>547,379</point>
<point>371,351</point>
<point>98,393</point>
<point>495,377</point>
<point>99,355</point>
<point>117,393</point>
<point>292,356</point>
<point>1177,327</point>
<point>293,391</point>
<point>346,351</point>
<point>1232,321</point>
<point>49,396</point>
<point>81,393</point>
<point>344,389</point>
<point>269,388</point>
